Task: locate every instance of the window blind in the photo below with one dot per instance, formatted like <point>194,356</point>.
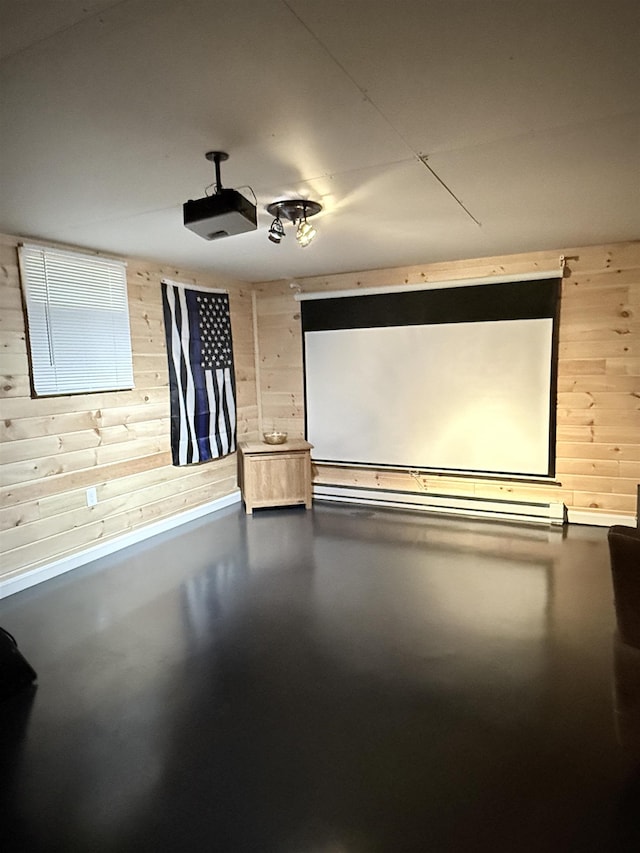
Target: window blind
<point>78,321</point>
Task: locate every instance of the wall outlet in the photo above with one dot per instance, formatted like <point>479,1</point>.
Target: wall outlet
<point>92,496</point>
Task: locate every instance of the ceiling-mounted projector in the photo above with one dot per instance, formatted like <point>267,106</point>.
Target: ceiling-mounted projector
<point>223,214</point>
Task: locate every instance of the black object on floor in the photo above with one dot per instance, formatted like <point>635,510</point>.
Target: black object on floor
<point>16,673</point>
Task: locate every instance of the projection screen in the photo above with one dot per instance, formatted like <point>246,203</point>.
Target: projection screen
<point>457,379</point>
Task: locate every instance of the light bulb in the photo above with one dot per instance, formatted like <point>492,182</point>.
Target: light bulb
<point>305,233</point>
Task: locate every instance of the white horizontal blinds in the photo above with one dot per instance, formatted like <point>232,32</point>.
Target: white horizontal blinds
<point>78,318</point>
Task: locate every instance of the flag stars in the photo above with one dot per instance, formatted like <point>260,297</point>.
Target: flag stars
<point>215,332</point>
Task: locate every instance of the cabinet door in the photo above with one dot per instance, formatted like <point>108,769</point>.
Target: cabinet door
<point>279,478</point>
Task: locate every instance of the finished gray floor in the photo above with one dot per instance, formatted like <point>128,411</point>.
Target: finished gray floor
<point>332,681</point>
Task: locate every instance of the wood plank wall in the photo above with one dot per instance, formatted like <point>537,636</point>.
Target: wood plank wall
<point>598,404</point>
<point>54,448</point>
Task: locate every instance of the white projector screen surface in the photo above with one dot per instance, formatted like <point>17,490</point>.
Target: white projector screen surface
<point>468,396</point>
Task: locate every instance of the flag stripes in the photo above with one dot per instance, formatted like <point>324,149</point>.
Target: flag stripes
<point>201,376</point>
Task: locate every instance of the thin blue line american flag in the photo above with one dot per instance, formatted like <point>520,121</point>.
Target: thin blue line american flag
<point>201,376</point>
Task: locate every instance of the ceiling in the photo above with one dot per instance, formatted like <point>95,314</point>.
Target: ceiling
<point>525,115</point>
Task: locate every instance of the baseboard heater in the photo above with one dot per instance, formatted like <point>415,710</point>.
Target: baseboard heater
<point>503,510</point>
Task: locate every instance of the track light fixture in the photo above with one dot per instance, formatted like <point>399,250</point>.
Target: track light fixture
<point>296,210</point>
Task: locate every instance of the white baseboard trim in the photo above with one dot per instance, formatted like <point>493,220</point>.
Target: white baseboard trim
<point>58,567</point>
<point>599,519</point>
<point>503,510</point>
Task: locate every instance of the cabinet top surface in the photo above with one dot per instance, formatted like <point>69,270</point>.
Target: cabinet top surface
<point>263,447</point>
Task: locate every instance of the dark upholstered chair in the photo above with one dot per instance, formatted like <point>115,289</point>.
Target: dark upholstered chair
<point>626,695</point>
<point>624,550</point>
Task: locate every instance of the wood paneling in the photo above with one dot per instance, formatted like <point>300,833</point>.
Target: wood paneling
<point>279,348</point>
<point>598,404</point>
<point>54,448</point>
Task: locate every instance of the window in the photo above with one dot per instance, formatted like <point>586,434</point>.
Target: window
<point>78,321</point>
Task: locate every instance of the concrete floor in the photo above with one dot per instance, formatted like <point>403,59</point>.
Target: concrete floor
<point>332,681</point>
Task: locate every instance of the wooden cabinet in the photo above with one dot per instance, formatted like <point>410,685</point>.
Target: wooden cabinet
<point>275,474</point>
